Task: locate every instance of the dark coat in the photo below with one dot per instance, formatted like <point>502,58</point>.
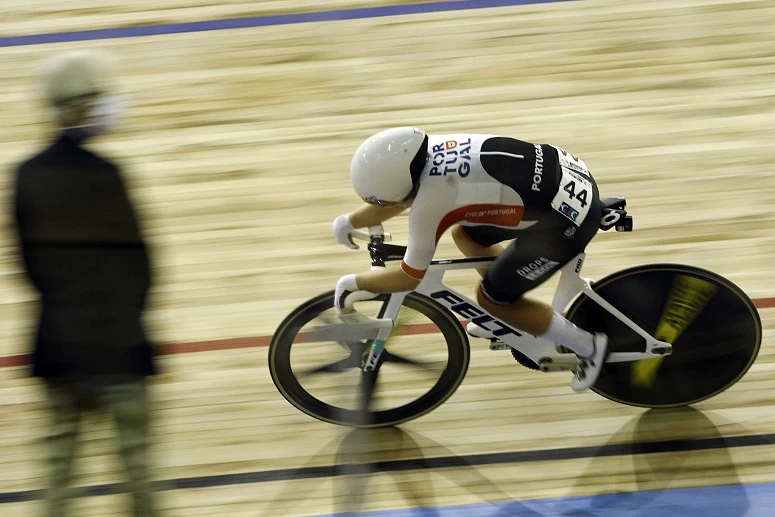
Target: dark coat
<point>84,253</point>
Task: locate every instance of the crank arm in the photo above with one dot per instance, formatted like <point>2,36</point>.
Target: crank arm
<point>627,357</point>
<point>559,363</point>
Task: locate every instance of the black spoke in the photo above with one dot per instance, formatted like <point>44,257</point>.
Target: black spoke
<point>351,346</point>
<point>389,357</point>
<point>354,360</point>
<point>335,367</point>
<point>368,388</point>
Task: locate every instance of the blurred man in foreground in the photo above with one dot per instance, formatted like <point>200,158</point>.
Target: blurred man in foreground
<point>85,255</point>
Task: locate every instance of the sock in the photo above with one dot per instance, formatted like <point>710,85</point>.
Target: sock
<point>565,333</point>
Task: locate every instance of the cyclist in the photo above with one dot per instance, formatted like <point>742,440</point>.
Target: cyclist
<point>489,189</point>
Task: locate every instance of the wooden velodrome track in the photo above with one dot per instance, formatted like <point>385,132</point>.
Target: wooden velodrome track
<point>237,148</point>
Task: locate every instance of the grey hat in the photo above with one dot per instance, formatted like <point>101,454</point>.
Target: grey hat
<point>73,75</point>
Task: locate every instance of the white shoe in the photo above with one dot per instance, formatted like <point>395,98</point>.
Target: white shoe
<point>588,370</point>
<point>477,331</point>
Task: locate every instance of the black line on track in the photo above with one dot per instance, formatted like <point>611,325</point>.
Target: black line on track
<point>473,460</point>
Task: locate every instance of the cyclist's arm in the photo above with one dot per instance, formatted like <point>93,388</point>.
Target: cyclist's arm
<point>369,215</point>
<point>420,249</point>
<point>423,223</point>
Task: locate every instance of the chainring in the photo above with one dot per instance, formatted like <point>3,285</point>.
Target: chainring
<point>524,360</point>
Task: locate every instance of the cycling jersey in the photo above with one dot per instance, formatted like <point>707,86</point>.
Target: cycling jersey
<point>499,188</point>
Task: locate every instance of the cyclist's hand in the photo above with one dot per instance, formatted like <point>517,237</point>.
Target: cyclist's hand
<point>342,230</point>
<point>347,290</point>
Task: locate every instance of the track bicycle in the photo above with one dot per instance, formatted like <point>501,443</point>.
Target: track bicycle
<point>678,334</point>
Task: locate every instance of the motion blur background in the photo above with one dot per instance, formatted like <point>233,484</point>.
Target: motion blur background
<point>236,147</point>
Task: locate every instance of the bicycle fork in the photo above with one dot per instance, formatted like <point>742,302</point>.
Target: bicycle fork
<point>378,345</point>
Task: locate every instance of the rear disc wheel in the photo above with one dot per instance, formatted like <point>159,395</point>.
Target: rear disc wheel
<point>712,324</point>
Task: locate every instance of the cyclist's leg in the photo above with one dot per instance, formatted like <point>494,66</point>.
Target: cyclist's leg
<point>481,241</point>
<point>539,252</point>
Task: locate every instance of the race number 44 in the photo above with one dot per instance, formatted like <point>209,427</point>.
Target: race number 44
<point>573,197</point>
<point>580,195</point>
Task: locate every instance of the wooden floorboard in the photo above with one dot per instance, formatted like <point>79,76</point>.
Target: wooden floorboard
<point>237,147</point>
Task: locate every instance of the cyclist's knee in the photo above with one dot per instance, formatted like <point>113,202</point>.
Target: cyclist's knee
<point>488,301</point>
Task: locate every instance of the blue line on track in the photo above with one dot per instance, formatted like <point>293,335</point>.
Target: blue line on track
<point>712,501</point>
<point>261,21</point>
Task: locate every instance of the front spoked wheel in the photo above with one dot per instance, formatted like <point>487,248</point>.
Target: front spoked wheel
<point>425,360</point>
<point>713,325</point>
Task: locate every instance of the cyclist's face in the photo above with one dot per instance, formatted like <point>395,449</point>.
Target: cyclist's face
<point>406,203</point>
<point>377,202</point>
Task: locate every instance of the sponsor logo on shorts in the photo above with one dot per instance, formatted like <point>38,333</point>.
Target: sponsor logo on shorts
<point>570,232</point>
<point>537,268</point>
<point>568,211</point>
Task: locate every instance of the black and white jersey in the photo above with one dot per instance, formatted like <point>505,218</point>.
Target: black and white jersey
<point>488,180</point>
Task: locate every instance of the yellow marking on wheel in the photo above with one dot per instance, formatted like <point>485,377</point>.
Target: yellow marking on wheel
<point>688,296</point>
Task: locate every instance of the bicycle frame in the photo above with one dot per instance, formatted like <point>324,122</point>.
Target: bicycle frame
<point>543,352</point>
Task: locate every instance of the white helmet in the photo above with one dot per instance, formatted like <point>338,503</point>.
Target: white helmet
<point>386,167</point>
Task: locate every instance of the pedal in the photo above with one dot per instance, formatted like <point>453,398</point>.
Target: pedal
<point>563,363</point>
<point>499,345</point>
